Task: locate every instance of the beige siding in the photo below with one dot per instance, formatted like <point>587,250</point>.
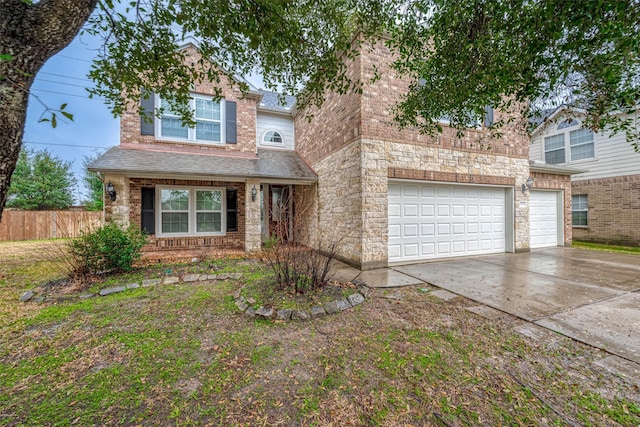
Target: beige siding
<point>283,124</point>
<point>614,156</point>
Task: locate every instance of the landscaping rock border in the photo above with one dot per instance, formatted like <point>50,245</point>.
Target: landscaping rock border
<point>31,295</point>
<point>245,305</point>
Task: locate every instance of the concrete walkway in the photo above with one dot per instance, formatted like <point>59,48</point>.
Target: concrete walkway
<point>590,296</point>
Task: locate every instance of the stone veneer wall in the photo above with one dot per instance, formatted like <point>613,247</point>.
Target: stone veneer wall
<point>613,210</point>
<point>246,110</point>
<point>340,200</point>
<point>547,181</point>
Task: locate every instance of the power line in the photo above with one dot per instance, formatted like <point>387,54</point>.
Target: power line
<point>66,94</point>
<point>63,145</point>
<point>75,59</point>
<point>63,76</point>
<point>61,83</point>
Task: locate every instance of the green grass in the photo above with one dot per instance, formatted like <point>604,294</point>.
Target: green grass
<point>606,248</point>
<point>184,355</point>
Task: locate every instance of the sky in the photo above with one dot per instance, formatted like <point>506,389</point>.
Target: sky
<point>63,79</point>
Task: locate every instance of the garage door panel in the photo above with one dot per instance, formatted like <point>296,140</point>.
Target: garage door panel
<point>410,210</point>
<point>428,210</point>
<point>427,229</point>
<point>410,230</point>
<point>452,221</point>
<point>411,250</point>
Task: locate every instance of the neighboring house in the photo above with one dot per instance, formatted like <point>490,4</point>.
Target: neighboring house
<point>390,195</point>
<point>606,195</point>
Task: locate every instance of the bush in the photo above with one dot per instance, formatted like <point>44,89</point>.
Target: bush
<point>300,267</point>
<point>106,248</point>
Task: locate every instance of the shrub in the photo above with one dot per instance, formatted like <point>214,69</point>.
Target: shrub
<point>298,266</point>
<point>106,248</point>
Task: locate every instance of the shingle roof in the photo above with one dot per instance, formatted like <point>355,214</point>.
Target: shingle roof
<point>269,164</point>
<point>271,101</point>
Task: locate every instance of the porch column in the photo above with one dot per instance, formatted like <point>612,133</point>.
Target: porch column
<point>117,211</point>
<point>252,233</point>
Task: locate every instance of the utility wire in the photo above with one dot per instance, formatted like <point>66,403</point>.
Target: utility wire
<point>64,145</point>
<point>63,76</point>
<point>66,94</point>
<point>75,59</point>
<point>61,83</point>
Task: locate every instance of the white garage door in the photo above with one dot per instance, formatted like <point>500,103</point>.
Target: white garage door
<point>543,219</point>
<point>429,221</point>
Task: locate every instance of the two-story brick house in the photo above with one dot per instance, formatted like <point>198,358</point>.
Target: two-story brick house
<point>202,186</point>
<point>391,195</point>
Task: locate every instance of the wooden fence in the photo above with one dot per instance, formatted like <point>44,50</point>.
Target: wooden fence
<point>39,225</point>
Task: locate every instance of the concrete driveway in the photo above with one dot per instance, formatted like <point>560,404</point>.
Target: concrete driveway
<point>591,296</point>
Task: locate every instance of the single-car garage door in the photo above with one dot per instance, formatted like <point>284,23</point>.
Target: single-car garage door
<point>428,221</point>
<point>543,219</point>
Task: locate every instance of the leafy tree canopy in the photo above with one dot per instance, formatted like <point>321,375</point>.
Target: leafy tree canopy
<point>534,54</point>
<point>40,182</point>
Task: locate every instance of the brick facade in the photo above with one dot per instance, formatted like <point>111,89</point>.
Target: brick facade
<point>547,181</point>
<point>246,117</point>
<point>126,210</point>
<point>613,210</point>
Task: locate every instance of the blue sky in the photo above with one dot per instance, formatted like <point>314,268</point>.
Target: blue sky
<point>63,79</point>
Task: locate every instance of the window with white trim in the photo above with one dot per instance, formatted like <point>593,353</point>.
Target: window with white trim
<point>579,210</point>
<point>208,115</point>
<point>272,137</point>
<point>191,211</point>
<point>554,149</point>
<point>581,143</point>
<point>571,144</point>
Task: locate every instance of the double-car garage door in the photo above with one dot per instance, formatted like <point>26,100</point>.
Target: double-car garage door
<point>428,221</point>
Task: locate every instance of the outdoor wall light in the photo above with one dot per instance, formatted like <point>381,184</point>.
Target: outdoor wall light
<point>527,185</point>
<point>111,191</point>
<point>254,193</point>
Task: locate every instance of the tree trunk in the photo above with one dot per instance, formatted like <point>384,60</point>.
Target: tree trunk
<point>30,34</point>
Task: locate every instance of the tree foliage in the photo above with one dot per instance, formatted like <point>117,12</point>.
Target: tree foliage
<point>537,54</point>
<point>41,181</point>
<point>293,45</point>
<point>94,185</point>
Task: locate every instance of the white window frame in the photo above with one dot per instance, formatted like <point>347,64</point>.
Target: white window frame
<point>191,133</point>
<point>276,144</point>
<point>566,134</point>
<point>586,209</point>
<point>191,211</point>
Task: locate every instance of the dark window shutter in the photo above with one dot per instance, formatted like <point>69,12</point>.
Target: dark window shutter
<point>148,215</point>
<point>230,119</point>
<point>147,106</point>
<point>488,116</point>
<point>232,210</point>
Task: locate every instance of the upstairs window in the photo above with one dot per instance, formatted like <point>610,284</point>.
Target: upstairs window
<point>272,137</point>
<point>554,149</point>
<point>208,116</point>
<point>570,144</point>
<point>581,142</point>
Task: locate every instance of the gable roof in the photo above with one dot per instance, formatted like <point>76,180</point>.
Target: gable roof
<point>271,101</point>
<point>549,116</point>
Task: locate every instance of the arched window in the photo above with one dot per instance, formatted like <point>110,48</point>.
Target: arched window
<point>569,123</point>
<point>272,137</point>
